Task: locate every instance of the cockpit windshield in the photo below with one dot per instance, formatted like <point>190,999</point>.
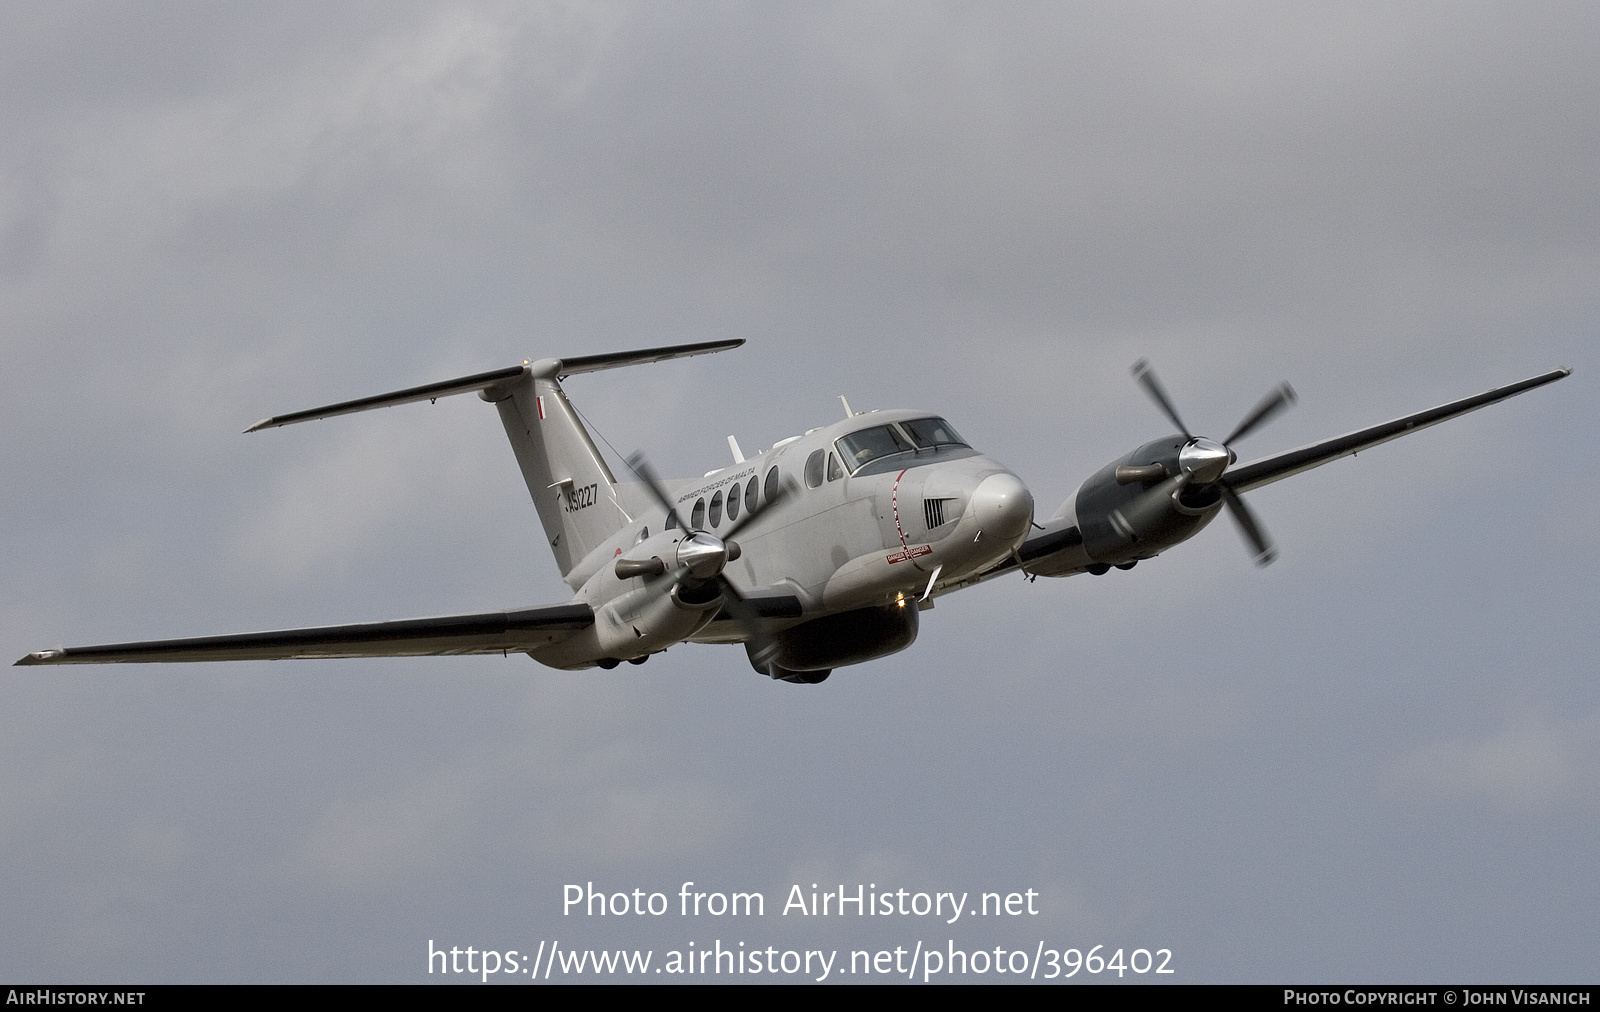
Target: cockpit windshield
<point>928,432</point>
<point>862,447</point>
<point>920,436</point>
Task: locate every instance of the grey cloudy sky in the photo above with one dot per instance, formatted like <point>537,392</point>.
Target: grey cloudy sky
<point>1378,759</point>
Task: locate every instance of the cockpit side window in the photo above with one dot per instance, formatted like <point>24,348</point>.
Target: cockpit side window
<point>929,432</point>
<point>835,472</point>
<point>862,447</point>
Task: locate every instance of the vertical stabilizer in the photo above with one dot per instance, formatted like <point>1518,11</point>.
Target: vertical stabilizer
<point>572,488</point>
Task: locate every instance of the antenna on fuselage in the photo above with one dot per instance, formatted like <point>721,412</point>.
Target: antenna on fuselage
<point>738,454</point>
<point>847,412</point>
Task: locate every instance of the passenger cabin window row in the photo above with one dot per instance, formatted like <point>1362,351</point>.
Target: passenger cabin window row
<point>704,514</point>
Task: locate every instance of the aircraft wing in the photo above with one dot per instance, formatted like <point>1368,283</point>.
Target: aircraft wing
<point>1270,469</point>
<point>488,633</point>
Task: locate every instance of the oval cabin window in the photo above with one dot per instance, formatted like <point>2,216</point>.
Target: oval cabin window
<point>814,465</point>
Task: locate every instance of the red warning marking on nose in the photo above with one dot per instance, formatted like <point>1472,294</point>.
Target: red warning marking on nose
<point>894,505</point>
<point>914,552</point>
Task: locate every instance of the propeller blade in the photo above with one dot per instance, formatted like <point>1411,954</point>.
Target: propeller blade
<point>1152,386</point>
<point>1259,542</point>
<point>763,648</point>
<point>1270,405</point>
<point>640,465</point>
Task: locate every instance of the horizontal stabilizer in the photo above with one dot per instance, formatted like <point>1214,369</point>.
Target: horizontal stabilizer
<point>498,377</point>
<point>488,633</point>
<point>1270,469</point>
<point>426,392</point>
<point>618,359</point>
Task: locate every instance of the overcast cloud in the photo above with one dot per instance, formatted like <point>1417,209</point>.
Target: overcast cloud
<point>1376,760</point>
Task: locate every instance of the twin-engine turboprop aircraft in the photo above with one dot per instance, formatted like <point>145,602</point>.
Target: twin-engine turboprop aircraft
<point>815,554</point>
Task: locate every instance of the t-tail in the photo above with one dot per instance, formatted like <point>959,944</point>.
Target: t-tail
<point>572,488</point>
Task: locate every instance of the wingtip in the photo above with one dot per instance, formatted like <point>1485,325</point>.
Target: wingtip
<point>38,657</point>
<point>265,423</point>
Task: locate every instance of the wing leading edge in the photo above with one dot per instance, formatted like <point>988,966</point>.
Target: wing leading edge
<point>1283,465</point>
<point>487,633</point>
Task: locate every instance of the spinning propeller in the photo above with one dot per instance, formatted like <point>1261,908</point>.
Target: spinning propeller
<point>1202,461</point>
<point>702,556</point>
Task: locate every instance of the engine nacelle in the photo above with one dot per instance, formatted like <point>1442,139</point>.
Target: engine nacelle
<point>642,603</point>
<point>1144,510</point>
<point>846,638</point>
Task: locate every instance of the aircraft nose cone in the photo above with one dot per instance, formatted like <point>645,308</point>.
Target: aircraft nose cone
<point>702,554</point>
<point>1003,507</point>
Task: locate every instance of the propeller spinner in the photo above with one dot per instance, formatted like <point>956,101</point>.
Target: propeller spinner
<point>1203,461</point>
